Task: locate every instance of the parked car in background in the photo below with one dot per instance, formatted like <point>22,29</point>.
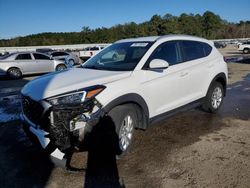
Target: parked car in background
<point>88,52</point>
<point>244,47</point>
<point>131,84</point>
<point>72,58</point>
<point>220,44</point>
<point>22,63</point>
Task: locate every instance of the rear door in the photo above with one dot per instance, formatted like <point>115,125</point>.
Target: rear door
<point>194,63</point>
<point>43,63</point>
<point>25,63</point>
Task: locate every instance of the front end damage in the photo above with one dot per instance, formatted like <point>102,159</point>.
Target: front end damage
<point>60,128</point>
<point>69,124</point>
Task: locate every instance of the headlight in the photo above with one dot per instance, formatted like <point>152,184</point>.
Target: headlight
<point>76,97</point>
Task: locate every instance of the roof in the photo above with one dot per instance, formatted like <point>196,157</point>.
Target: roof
<point>156,38</point>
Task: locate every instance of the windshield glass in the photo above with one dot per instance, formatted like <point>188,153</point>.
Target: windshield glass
<point>119,56</point>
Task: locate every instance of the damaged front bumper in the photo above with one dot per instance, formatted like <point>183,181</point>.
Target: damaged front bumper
<point>66,127</point>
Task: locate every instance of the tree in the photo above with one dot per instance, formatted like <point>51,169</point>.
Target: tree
<point>208,25</point>
<point>211,23</point>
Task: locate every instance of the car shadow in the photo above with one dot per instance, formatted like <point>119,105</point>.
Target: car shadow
<point>102,169</point>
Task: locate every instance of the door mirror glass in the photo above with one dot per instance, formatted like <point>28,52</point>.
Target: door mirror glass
<point>158,64</point>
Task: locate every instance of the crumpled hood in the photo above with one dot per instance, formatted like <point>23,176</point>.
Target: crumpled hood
<point>70,80</point>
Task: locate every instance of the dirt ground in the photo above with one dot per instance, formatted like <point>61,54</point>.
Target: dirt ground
<point>190,149</point>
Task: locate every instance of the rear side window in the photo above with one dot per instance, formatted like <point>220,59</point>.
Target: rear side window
<point>206,48</point>
<point>23,57</point>
<point>167,51</point>
<point>41,57</point>
<point>192,50</point>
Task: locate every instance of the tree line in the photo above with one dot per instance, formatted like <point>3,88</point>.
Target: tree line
<point>208,25</point>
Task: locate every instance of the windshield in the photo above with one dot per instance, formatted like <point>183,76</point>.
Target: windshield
<point>119,56</point>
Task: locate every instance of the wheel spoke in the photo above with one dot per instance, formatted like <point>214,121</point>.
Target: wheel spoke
<point>216,97</point>
<point>126,132</point>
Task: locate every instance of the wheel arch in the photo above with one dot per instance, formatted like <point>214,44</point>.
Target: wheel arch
<point>13,67</point>
<point>139,104</point>
<point>221,78</point>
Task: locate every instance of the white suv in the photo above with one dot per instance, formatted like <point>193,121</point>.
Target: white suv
<point>147,79</point>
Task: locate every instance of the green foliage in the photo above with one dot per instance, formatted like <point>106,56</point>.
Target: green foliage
<point>208,25</point>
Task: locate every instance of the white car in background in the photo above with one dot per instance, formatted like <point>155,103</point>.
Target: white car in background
<point>88,52</point>
<point>244,47</point>
<point>23,63</point>
<point>148,78</point>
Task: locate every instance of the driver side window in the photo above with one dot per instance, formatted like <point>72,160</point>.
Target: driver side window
<point>167,51</point>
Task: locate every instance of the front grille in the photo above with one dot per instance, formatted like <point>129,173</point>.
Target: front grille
<point>32,109</point>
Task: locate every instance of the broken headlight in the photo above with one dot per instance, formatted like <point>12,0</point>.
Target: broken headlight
<point>76,97</point>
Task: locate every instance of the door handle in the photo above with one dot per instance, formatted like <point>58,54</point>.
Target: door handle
<point>183,74</point>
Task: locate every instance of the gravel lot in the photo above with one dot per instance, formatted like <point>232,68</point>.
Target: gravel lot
<point>190,149</point>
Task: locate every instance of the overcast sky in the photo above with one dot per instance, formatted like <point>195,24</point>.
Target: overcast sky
<point>23,17</point>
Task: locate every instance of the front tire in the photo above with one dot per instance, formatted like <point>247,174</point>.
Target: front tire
<point>214,98</point>
<point>14,73</point>
<point>124,118</point>
<point>61,67</point>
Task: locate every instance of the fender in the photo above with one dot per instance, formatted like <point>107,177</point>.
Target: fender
<point>134,99</point>
<point>222,78</point>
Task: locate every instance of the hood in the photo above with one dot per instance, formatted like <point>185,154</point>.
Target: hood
<point>70,80</point>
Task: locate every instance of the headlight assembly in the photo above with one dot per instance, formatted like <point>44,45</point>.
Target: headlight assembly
<point>76,97</point>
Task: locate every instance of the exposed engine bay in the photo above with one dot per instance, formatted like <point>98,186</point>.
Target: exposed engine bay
<point>70,123</point>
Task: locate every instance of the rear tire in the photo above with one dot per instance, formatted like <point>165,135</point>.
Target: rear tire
<point>246,50</point>
<point>61,67</point>
<point>14,73</point>
<point>214,98</point>
<point>125,119</point>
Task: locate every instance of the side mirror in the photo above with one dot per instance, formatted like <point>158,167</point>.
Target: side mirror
<point>51,57</point>
<point>158,64</point>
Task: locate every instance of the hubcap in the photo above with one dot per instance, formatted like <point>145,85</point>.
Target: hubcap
<point>126,133</point>
<point>14,73</point>
<point>216,97</point>
<point>60,68</point>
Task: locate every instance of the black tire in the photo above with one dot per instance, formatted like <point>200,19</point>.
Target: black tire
<point>61,67</point>
<point>14,73</point>
<point>119,116</point>
<point>214,98</point>
<point>246,50</point>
